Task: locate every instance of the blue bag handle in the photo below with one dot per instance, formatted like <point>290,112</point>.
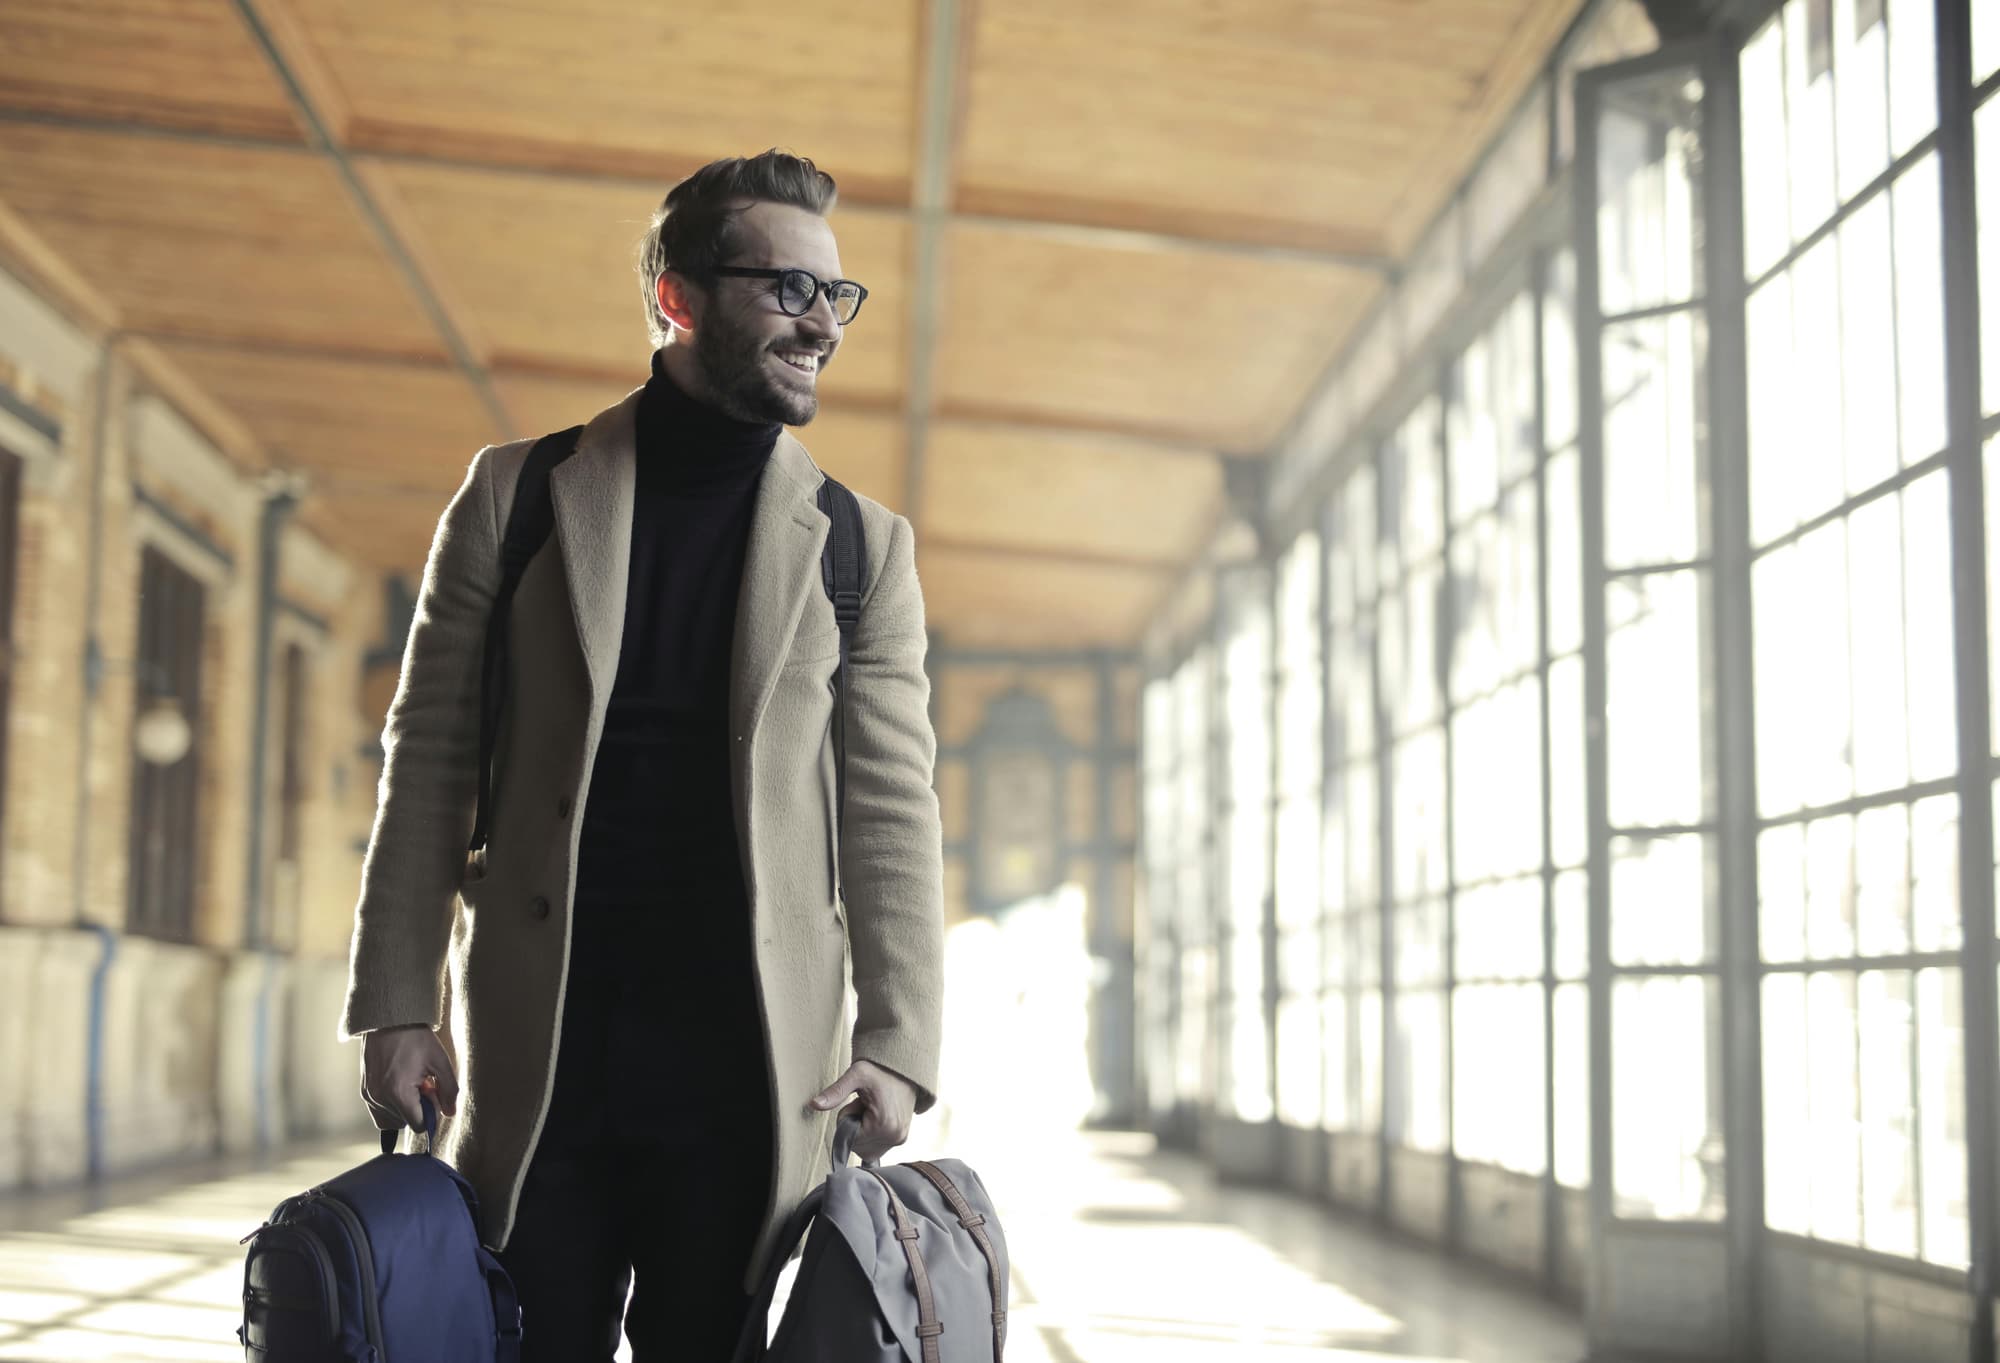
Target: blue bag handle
<point>430,1129</point>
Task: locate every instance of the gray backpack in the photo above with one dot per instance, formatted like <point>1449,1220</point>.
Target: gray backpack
<point>903,1264</point>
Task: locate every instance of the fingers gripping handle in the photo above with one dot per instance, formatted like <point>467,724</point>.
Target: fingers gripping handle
<point>430,1129</point>
<point>845,1131</point>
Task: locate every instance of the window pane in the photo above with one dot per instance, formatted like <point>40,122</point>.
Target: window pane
<point>1194,1053</point>
<point>1560,413</point>
<point>1888,1119</point>
<point>1412,492</point>
<point>1417,1120</point>
<point>1985,39</point>
<point>1249,1093</point>
<point>1364,880</point>
<point>1788,1134</point>
<point>1944,1228</point>
<point>1648,157</point>
<point>1300,957</point>
<point>1766,229</point>
<point>1867,344</point>
<point>1659,909</point>
<point>1406,650</point>
<point>1798,596</point>
<point>1572,1081</point>
<point>1882,868</point>
<point>1338,1108</point>
<point>1497,1076</point>
<point>1569,834</point>
<point>1497,931</point>
<point>1654,688</point>
<point>1927,628</point>
<point>1809,125</point>
<point>1861,86</point>
<point>1299,1062</point>
<point>1352,659</point>
<point>1419,826</point>
<point>1881,743</point>
<point>1565,550</point>
<point>1368,1021</point>
<point>1653,374</point>
<point>1298,888</point>
<point>1781,893</point>
<point>1572,914</point>
<point>1934,921</point>
<point>1667,1150</point>
<point>1833,1152</point>
<point>1913,70</point>
<point>1830,888</point>
<point>1920,311</point>
<point>1496,787</point>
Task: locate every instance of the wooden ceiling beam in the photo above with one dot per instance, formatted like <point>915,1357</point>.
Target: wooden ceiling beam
<point>290,54</point>
<point>856,197</point>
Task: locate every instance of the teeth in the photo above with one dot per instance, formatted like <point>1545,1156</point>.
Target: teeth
<point>803,360</point>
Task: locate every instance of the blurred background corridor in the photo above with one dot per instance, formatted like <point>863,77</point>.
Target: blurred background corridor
<point>1458,552</point>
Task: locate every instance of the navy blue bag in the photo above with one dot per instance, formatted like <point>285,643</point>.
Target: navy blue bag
<point>381,1264</point>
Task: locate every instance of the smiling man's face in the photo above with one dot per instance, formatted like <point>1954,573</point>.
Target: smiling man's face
<point>758,363</point>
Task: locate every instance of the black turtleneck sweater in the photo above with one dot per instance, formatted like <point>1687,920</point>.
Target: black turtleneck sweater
<point>660,960</point>
<point>659,796</point>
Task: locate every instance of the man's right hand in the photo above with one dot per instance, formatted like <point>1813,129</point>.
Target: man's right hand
<point>398,1066</point>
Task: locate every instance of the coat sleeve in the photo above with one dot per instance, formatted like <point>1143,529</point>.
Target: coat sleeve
<point>892,853</point>
<point>430,755</point>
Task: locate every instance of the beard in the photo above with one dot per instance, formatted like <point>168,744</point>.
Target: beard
<point>736,363</point>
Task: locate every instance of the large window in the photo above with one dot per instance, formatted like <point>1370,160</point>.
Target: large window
<point>1492,670</point>
<point>1851,594</point>
<point>1660,705</point>
<point>1301,764</point>
<point>1159,946</point>
<point>1568,820</point>
<point>1246,843</point>
<point>1351,1003</point>
<point>1412,574</point>
<point>1196,1065</point>
<point>164,805</point>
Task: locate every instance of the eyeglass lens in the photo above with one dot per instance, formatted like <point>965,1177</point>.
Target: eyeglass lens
<point>797,291</point>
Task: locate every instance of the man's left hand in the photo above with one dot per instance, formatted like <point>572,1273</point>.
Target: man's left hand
<point>888,1100</point>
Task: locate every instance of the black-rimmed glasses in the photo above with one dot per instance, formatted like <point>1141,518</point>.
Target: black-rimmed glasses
<point>798,290</point>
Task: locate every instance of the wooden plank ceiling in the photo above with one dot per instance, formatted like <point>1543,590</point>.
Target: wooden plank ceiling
<point>1110,246</point>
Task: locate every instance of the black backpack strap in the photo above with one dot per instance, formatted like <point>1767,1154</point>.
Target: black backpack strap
<point>529,521</point>
<point>842,563</point>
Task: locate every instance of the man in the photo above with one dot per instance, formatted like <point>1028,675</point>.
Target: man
<point>644,974</point>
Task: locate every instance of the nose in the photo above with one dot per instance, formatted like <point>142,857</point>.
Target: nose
<point>820,320</point>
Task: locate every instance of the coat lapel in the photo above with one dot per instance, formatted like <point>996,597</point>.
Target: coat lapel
<point>787,531</point>
<point>592,492</point>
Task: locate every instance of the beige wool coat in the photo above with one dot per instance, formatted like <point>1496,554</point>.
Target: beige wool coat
<point>481,944</point>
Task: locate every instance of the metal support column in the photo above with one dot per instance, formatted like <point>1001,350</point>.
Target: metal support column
<point>1735,720</point>
<point>1969,607</point>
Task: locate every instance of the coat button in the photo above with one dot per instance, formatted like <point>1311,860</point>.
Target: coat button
<point>539,908</point>
<point>562,807</point>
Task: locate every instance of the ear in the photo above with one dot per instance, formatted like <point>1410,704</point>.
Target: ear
<point>676,298</point>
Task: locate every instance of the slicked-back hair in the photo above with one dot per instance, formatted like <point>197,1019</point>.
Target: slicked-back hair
<point>693,231</point>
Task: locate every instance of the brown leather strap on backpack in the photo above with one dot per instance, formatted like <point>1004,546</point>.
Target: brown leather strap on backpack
<point>928,1328</point>
<point>976,1224</point>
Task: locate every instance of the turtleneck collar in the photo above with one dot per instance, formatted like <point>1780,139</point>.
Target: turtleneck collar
<point>687,446</point>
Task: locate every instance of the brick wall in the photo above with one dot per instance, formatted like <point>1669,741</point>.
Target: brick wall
<point>182,1027</point>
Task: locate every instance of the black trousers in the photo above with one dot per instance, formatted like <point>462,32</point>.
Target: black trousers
<point>654,1165</point>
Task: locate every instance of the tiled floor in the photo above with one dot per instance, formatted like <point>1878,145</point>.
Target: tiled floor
<point>1121,1254</point>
